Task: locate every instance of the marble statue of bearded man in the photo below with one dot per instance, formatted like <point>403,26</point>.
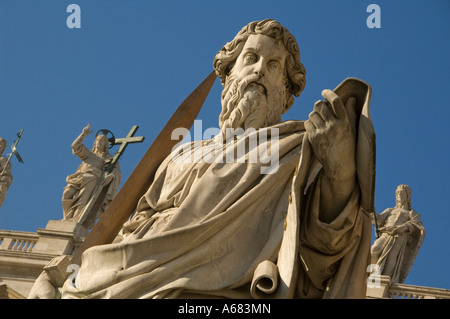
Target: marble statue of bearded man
<point>236,229</point>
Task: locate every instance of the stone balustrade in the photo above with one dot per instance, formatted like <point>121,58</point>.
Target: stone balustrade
<point>23,255</point>
<point>402,291</point>
<point>381,287</point>
<point>17,240</point>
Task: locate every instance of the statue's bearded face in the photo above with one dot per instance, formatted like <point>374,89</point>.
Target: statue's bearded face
<point>403,197</point>
<point>100,144</point>
<point>255,93</point>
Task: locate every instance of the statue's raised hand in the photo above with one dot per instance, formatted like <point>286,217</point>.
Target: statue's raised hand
<point>87,130</point>
<point>331,136</point>
<point>333,142</point>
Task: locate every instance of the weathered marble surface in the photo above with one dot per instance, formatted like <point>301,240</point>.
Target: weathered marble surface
<point>402,234</point>
<point>82,184</point>
<point>216,228</point>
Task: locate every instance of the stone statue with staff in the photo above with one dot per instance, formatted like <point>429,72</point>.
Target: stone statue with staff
<point>6,177</point>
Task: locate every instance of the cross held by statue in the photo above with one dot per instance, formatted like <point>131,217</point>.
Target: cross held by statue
<point>123,142</point>
<point>99,192</point>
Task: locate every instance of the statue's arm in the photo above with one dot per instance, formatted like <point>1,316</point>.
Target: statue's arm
<point>113,176</point>
<point>381,218</point>
<point>77,146</point>
<point>333,142</point>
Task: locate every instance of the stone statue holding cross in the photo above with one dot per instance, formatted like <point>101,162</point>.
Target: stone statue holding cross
<point>81,185</point>
<point>96,182</point>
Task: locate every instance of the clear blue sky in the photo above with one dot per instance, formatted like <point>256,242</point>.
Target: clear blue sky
<point>133,63</point>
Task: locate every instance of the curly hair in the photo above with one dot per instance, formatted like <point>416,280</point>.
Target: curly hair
<point>226,57</point>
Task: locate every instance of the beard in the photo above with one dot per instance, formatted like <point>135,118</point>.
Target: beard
<point>247,103</point>
<point>101,151</point>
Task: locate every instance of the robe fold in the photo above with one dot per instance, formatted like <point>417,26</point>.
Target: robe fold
<point>213,228</point>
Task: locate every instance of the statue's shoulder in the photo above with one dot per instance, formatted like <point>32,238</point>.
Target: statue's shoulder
<point>414,215</point>
<point>386,213</point>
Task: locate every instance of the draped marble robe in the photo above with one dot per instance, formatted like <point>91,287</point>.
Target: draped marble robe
<point>216,229</point>
<point>398,251</point>
<point>84,181</point>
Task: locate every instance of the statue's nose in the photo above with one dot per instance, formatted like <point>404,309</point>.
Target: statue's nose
<point>259,67</point>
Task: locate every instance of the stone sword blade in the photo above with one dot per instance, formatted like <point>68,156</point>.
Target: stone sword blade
<point>124,204</point>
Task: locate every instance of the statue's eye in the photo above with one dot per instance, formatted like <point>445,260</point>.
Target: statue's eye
<point>274,65</point>
<point>250,58</point>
